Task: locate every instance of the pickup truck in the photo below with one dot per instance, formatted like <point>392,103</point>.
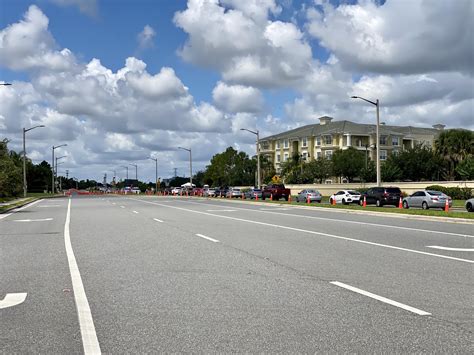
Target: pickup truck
<point>276,191</point>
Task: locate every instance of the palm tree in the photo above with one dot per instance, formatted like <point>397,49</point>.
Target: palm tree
<point>454,146</point>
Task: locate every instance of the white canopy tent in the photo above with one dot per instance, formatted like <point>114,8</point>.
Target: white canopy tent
<point>188,184</point>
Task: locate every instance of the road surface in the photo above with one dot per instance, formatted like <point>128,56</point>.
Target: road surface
<point>163,274</point>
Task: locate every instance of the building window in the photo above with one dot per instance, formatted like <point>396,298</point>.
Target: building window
<point>265,145</point>
<point>328,140</point>
<point>359,142</point>
<point>305,142</point>
<point>285,157</point>
<point>319,155</point>
<point>383,140</point>
<point>305,155</point>
<point>395,141</point>
<point>278,158</point>
<point>318,141</point>
<point>328,154</point>
<point>277,145</point>
<point>383,155</point>
<point>286,143</point>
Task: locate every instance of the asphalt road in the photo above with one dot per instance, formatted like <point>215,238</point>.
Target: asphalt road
<point>148,274</point>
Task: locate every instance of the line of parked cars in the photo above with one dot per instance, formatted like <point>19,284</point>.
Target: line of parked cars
<point>379,196</point>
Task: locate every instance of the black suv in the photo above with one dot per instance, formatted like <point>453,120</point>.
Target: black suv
<point>382,196</point>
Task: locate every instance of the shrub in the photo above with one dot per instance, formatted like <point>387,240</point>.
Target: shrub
<point>456,193</point>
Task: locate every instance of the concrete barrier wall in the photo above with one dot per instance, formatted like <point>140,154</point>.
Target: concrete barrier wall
<point>407,187</point>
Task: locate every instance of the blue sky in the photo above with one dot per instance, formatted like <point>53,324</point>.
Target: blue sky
<point>211,67</point>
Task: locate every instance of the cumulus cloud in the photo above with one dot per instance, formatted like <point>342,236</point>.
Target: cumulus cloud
<point>246,49</point>
<point>237,98</point>
<point>28,45</point>
<point>145,37</point>
<point>424,36</point>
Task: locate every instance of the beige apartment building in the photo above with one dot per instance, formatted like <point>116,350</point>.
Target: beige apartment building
<point>323,139</point>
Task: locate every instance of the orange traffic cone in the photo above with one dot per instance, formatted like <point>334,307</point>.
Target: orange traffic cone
<point>256,197</point>
<point>271,197</point>
<point>289,198</point>
<point>446,205</point>
<point>307,200</point>
<point>400,204</point>
<point>364,204</point>
<point>334,202</point>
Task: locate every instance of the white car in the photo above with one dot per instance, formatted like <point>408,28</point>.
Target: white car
<point>176,190</point>
<point>345,197</point>
<point>135,190</point>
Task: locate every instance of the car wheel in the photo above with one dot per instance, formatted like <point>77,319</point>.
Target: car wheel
<point>424,206</point>
<point>379,203</point>
<point>469,207</point>
<point>405,204</point>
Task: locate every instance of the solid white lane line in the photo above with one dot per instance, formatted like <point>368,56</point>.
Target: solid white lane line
<point>33,220</point>
<point>339,220</point>
<point>113,203</point>
<point>158,220</point>
<point>451,249</point>
<point>381,299</point>
<point>220,210</point>
<point>86,323</point>
<point>122,206</point>
<point>313,232</point>
<point>12,299</point>
<point>274,209</point>
<point>208,238</point>
<point>47,206</point>
<point>135,212</point>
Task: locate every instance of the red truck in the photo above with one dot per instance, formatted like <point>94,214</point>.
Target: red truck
<point>276,191</point>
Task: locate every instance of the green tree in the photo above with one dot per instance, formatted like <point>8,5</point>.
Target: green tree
<point>11,179</point>
<point>454,145</point>
<point>291,170</point>
<point>348,163</point>
<point>317,170</point>
<point>230,168</point>
<point>465,169</point>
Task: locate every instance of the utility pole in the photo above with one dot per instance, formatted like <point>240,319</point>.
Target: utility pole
<point>175,172</point>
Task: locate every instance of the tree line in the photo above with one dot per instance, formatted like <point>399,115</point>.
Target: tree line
<point>451,158</point>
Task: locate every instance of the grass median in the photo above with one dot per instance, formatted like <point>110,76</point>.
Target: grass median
<point>14,202</point>
<point>385,209</point>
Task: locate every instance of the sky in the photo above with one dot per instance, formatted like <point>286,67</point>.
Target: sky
<point>120,81</point>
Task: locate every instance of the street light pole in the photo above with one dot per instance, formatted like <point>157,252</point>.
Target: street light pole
<point>258,154</point>
<point>24,157</point>
<point>126,167</point>
<point>52,166</point>
<point>136,170</point>
<point>377,136</point>
<point>156,174</point>
<point>56,170</point>
<point>190,165</point>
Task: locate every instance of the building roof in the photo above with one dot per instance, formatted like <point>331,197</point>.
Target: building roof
<point>348,127</point>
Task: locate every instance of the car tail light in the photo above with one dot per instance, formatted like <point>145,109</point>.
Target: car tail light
<point>434,198</point>
<point>385,194</point>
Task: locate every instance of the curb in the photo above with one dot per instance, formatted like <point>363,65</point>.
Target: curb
<point>366,213</point>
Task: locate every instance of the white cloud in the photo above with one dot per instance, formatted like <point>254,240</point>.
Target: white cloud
<point>237,98</point>
<point>28,45</point>
<point>424,36</point>
<point>244,48</point>
<point>145,37</point>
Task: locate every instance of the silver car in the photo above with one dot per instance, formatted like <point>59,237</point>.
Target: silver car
<point>312,195</point>
<point>234,192</point>
<point>427,199</point>
<point>253,193</point>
